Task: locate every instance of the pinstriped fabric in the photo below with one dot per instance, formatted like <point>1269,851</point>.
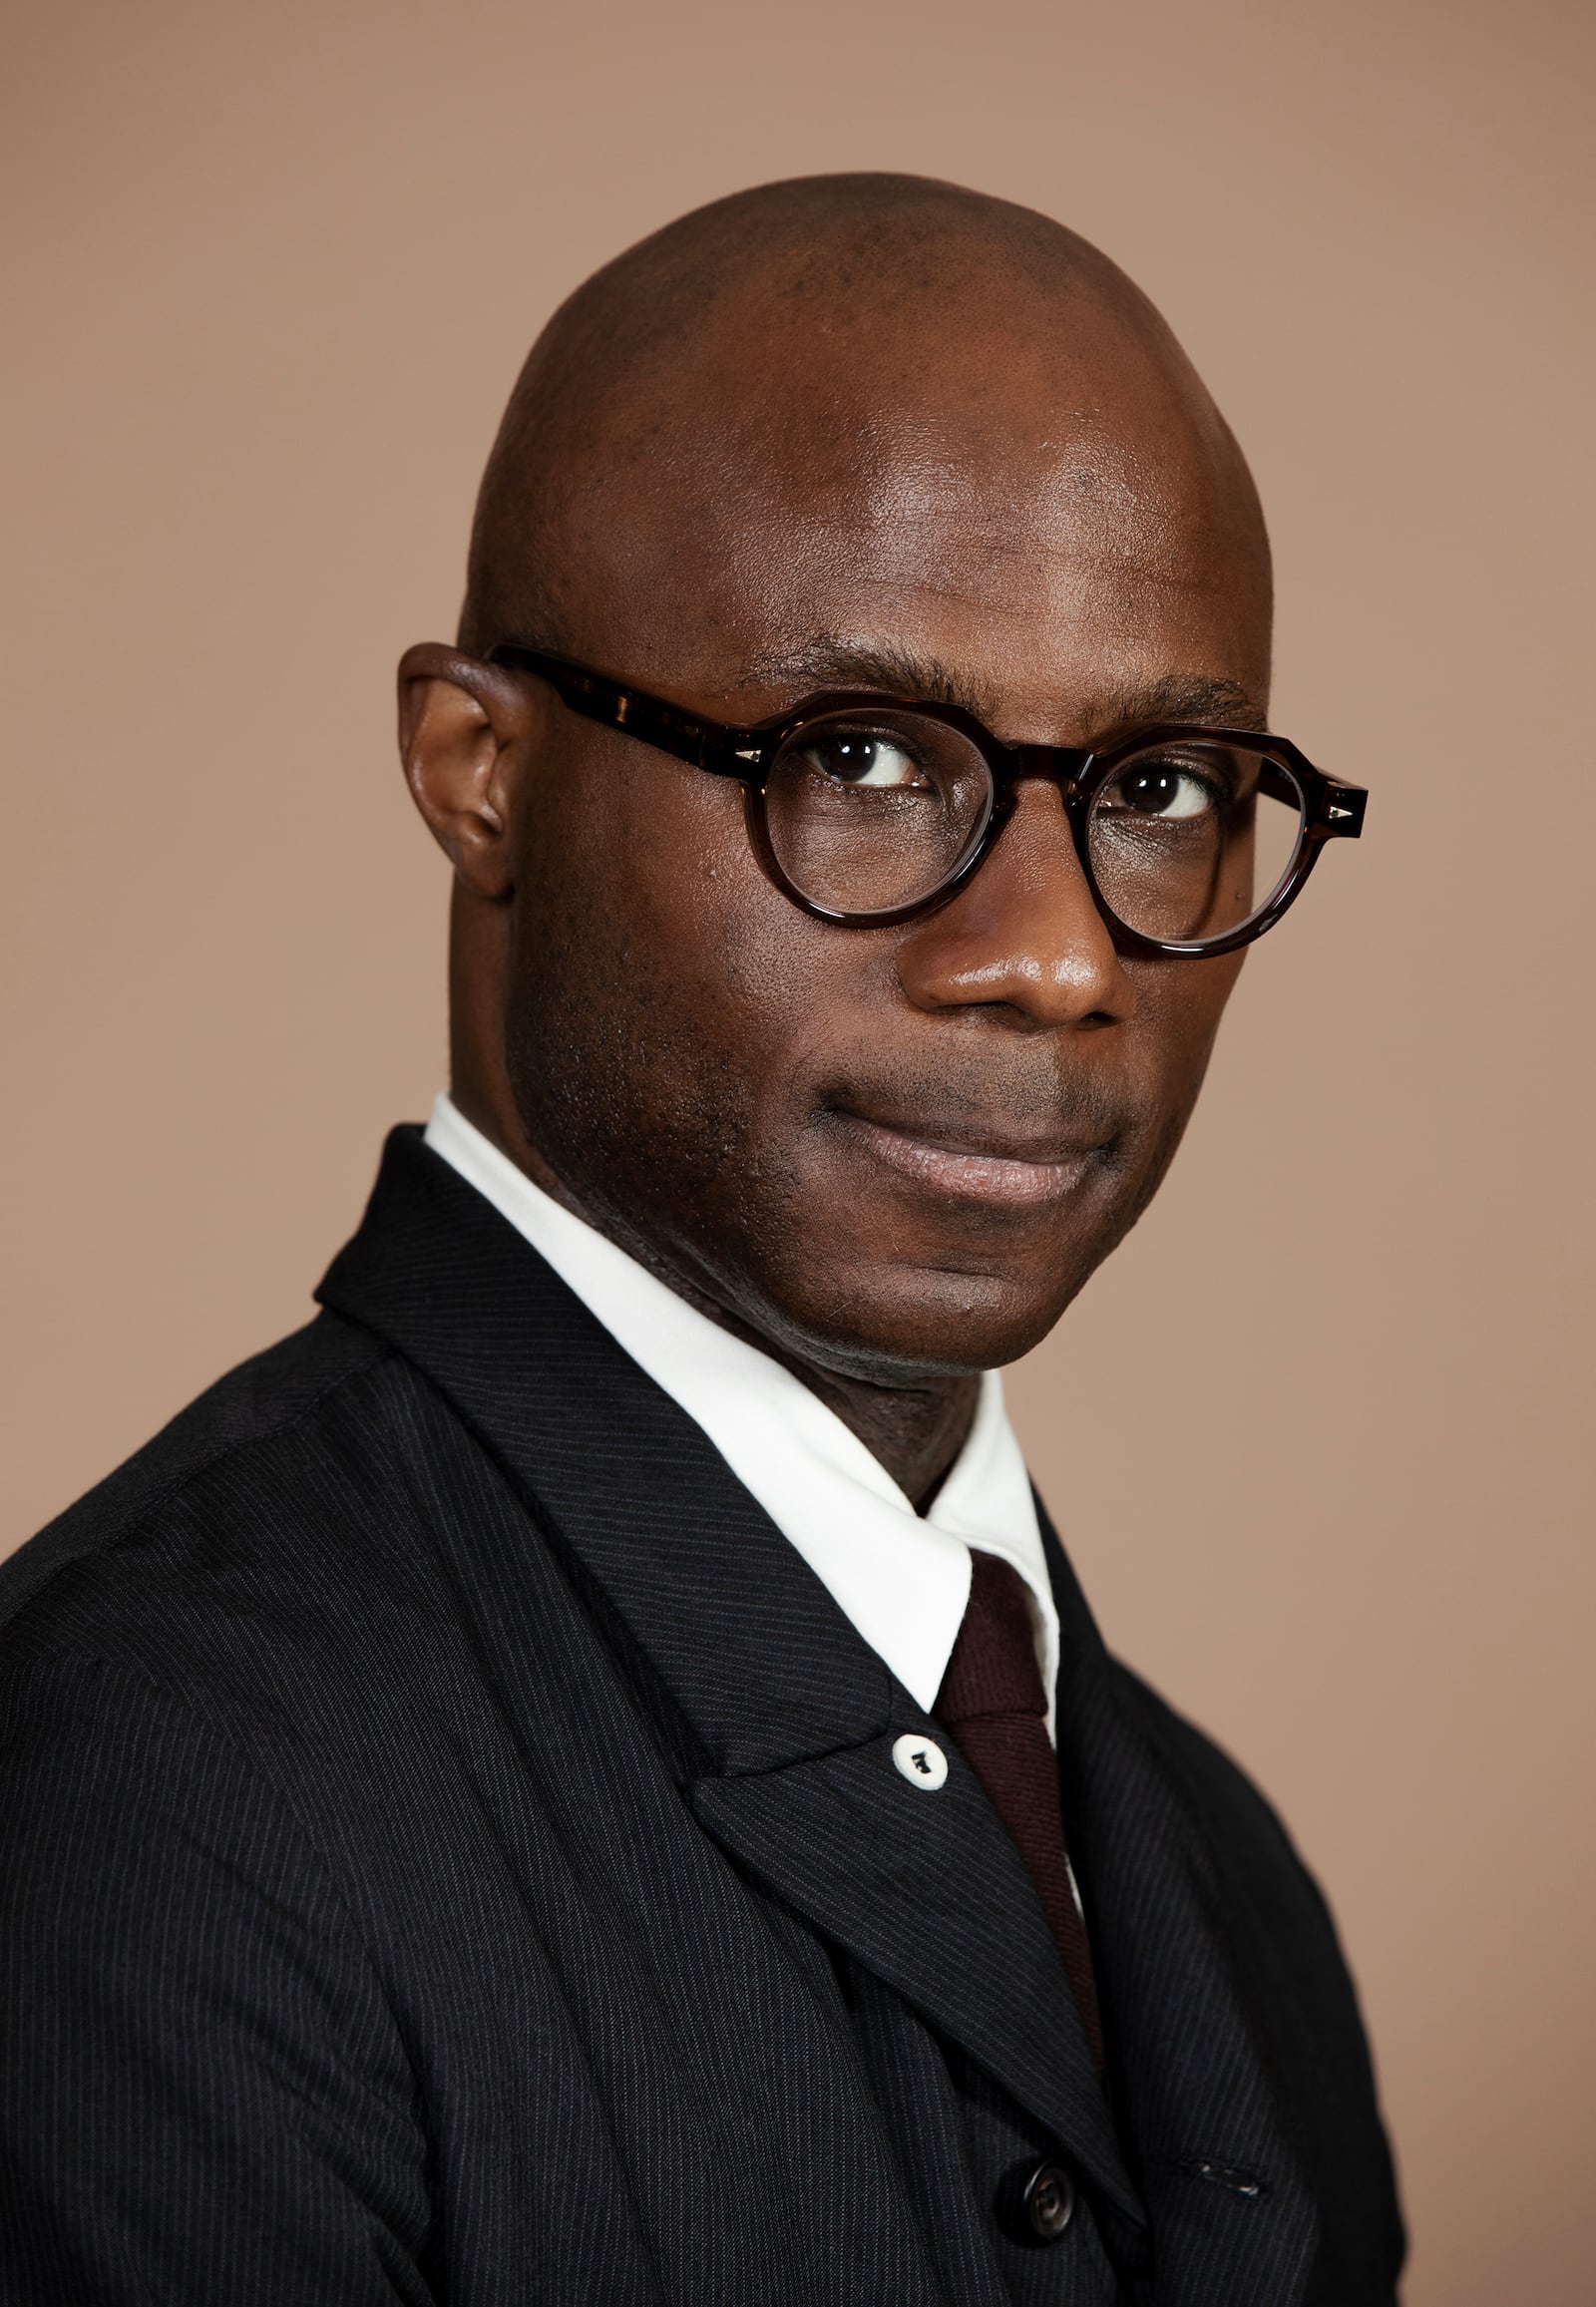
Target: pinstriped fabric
<point>973,2144</point>
<point>588,2010</point>
<point>1238,2079</point>
<point>123,1823</point>
<point>428,1876</point>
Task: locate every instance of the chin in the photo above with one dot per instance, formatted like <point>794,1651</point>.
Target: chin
<point>891,1288</point>
<point>892,1325</point>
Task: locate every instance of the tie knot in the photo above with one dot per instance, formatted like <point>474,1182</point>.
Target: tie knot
<point>992,1670</point>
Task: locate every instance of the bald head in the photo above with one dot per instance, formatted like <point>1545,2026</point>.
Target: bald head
<point>851,345</point>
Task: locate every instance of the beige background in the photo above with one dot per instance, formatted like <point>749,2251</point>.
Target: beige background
<point>1312,1435</point>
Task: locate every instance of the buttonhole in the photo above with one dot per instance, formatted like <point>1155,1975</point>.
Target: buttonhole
<point>1233,2178</point>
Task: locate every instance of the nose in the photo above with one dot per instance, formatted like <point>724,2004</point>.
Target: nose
<point>1023,935</point>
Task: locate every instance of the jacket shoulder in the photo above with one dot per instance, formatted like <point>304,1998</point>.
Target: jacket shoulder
<point>271,1407</point>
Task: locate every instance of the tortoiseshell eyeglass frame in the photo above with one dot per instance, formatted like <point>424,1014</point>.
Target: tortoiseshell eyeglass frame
<point>1332,810</point>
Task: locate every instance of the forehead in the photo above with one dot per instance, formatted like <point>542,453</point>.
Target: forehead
<point>1051,508</point>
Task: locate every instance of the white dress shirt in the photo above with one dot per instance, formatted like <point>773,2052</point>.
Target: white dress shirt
<point>902,1578</point>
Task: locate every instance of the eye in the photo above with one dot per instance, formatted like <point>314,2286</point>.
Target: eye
<point>866,757</point>
<point>1164,790</point>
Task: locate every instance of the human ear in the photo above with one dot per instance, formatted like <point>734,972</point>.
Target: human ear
<point>463,738</point>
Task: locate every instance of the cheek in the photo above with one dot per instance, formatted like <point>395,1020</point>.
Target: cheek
<point>659,982</point>
<point>1179,1005</point>
<point>628,864</point>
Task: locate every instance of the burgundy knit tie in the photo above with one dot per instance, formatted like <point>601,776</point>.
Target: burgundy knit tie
<point>993,1701</point>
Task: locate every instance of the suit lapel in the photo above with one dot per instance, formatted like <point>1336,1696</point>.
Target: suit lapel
<point>790,1716</point>
<point>926,1891</point>
<point>1231,2218</point>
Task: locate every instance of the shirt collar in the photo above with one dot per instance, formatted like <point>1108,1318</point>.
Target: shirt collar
<point>902,1578</point>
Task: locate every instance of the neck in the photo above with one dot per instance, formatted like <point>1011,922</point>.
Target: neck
<point>916,1431</point>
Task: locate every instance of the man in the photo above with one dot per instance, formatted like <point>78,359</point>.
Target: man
<point>584,1775</point>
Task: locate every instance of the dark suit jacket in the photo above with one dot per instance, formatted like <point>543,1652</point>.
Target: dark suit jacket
<point>452,1852</point>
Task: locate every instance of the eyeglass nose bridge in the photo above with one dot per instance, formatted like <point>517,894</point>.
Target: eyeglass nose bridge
<point>1061,765</point>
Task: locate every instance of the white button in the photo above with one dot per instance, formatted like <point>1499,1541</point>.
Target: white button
<point>922,1763</point>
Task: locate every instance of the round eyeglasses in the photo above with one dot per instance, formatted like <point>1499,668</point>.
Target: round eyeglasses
<point>867,810</point>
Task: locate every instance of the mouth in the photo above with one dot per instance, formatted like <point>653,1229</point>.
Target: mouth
<point>984,1167</point>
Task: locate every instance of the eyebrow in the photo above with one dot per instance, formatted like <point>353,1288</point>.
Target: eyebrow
<point>1187,697</point>
<point>827,661</point>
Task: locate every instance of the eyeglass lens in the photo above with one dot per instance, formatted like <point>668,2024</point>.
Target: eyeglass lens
<point>1188,841</point>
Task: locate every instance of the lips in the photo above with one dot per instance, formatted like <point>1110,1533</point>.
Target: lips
<point>990,1166</point>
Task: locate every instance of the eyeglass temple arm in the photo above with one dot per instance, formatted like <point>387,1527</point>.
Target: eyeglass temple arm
<point>711,745</point>
<point>1334,810</point>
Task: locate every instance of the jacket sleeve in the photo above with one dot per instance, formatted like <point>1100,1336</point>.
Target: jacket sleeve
<point>204,2094</point>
